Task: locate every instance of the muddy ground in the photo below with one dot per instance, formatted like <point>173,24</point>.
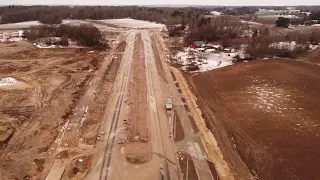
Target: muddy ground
<point>33,111</point>
<point>266,113</point>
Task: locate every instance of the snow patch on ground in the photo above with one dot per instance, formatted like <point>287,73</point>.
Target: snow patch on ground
<point>204,61</point>
<point>74,22</point>
<point>313,47</point>
<point>216,13</point>
<point>19,25</point>
<point>267,96</point>
<point>132,23</point>
<point>252,23</point>
<point>284,45</point>
<point>7,81</point>
<point>11,36</point>
<point>28,24</point>
<point>215,61</point>
<point>41,43</point>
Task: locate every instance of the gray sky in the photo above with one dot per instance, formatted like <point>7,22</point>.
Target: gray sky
<point>172,2</point>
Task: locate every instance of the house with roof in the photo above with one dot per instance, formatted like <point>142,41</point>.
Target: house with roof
<point>197,44</point>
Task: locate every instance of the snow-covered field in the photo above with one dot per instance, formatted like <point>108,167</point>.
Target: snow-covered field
<point>132,23</point>
<point>205,61</point>
<point>19,25</point>
<point>27,24</point>
<point>216,13</point>
<point>7,81</point>
<point>252,23</point>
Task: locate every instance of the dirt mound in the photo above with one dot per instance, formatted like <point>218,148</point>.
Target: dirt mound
<point>139,130</point>
<point>138,158</point>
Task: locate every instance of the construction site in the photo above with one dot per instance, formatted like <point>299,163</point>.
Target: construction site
<point>127,112</point>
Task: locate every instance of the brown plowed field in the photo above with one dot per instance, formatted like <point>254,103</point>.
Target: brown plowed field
<point>266,114</point>
<point>313,56</point>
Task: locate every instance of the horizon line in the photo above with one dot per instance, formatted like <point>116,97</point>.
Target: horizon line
<point>159,5</point>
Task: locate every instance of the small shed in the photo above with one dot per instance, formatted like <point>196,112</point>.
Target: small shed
<point>197,44</point>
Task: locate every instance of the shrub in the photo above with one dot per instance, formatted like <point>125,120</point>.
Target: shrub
<point>283,22</point>
<point>173,32</point>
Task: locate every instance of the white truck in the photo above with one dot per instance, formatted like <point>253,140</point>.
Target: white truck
<point>168,104</point>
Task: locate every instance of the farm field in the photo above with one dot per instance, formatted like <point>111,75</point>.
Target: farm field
<point>267,112</point>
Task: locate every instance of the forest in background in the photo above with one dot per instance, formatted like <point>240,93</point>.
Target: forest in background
<point>54,14</point>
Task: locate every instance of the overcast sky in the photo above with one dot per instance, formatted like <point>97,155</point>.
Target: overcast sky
<point>157,2</point>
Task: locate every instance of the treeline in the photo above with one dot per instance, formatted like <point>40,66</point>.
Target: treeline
<point>214,29</point>
<point>237,10</point>
<point>85,34</point>
<point>315,15</point>
<point>313,18</point>
<point>263,44</point>
<point>13,14</point>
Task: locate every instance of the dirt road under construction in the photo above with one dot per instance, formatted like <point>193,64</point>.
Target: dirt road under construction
<point>105,117</point>
<point>136,114</point>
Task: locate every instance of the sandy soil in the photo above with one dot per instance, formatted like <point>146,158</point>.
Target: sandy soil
<point>266,112</point>
<point>90,125</point>
<point>33,114</point>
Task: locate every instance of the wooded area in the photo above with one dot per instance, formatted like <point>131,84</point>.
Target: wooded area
<point>85,34</point>
<point>52,14</point>
<point>214,29</point>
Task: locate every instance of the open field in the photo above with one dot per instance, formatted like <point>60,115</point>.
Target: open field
<point>267,112</point>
